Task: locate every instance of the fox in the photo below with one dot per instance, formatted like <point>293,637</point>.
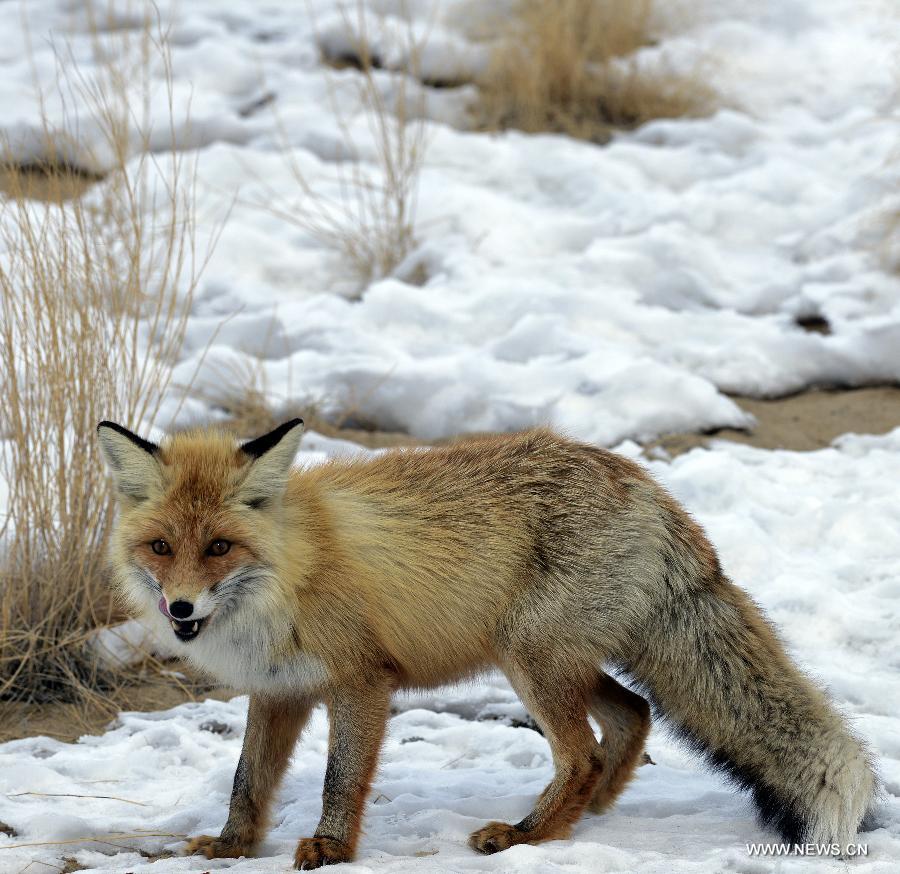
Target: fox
<point>564,565</point>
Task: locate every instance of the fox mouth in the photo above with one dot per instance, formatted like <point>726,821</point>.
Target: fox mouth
<point>185,629</point>
<point>188,629</point>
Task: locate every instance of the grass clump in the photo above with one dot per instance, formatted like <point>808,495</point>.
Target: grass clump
<point>571,67</point>
<point>95,290</point>
<point>889,242</point>
<point>363,204</point>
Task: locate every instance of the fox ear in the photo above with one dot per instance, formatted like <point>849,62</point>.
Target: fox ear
<point>131,460</point>
<point>271,457</point>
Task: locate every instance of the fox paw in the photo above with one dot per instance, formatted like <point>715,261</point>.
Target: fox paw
<point>496,836</point>
<point>316,852</point>
<point>216,848</point>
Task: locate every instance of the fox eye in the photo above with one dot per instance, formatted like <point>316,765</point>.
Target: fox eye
<point>160,547</point>
<point>218,547</point>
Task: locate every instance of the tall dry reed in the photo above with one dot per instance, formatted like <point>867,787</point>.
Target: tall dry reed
<point>95,290</point>
<point>363,206</point>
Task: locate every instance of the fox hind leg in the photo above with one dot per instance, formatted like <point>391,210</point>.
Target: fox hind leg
<point>557,704</point>
<point>624,718</point>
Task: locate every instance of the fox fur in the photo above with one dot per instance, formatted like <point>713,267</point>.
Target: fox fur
<point>554,561</point>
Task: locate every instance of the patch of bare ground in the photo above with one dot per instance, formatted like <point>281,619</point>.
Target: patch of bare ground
<point>802,422</point>
<point>67,721</point>
<point>371,439</point>
<point>49,183</point>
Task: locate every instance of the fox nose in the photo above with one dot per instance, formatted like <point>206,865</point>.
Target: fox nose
<point>181,609</point>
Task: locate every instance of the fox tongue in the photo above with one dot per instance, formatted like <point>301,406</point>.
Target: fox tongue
<point>163,609</point>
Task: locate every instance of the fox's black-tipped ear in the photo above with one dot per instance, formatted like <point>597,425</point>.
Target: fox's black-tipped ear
<point>271,457</point>
<point>146,445</point>
<point>131,460</point>
<point>263,444</point>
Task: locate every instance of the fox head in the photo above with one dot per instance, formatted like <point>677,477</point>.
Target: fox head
<point>199,526</point>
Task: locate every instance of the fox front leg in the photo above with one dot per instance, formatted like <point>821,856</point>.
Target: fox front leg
<point>273,727</point>
<point>358,720</point>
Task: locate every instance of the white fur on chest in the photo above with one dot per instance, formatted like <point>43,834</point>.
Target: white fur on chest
<point>240,652</point>
<point>243,658</point>
<point>242,648</point>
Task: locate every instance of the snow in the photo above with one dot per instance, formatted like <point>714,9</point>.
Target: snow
<point>124,644</point>
<point>812,536</point>
<point>615,292</point>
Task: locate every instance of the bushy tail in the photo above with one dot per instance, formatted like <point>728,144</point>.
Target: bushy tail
<point>716,669</point>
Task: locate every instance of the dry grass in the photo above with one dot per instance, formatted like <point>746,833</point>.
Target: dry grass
<point>240,394</point>
<point>145,690</point>
<point>570,67</point>
<point>54,183</point>
<point>889,246</point>
<point>94,296</point>
<point>364,209</point>
<point>249,408</point>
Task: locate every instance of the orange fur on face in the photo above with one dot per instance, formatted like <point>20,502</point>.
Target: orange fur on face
<point>198,501</point>
<point>188,530</point>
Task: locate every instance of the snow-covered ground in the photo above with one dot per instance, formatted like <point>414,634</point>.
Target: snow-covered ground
<point>615,292</point>
<point>612,291</point>
<point>814,537</point>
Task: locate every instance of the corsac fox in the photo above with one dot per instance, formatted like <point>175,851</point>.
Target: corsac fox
<point>554,561</point>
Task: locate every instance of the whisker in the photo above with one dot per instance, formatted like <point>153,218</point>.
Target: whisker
<point>146,578</point>
<point>238,584</point>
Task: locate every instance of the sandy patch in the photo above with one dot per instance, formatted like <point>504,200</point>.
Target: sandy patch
<point>803,422</point>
